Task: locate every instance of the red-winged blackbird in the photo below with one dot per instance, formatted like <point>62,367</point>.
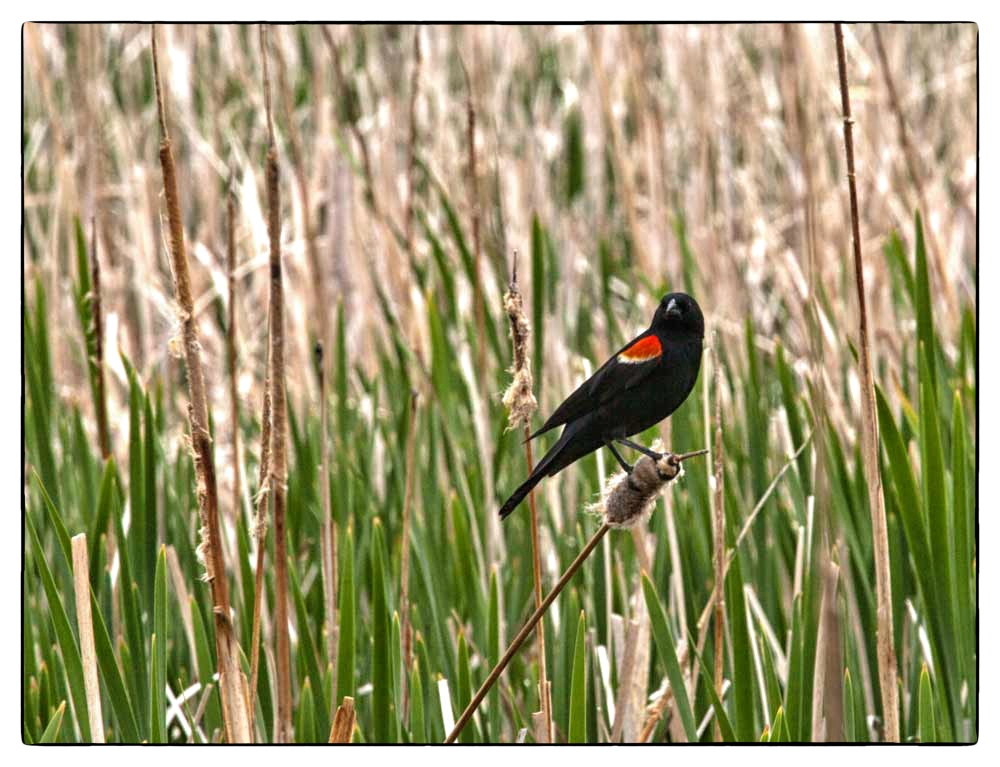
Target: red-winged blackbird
<point>643,383</point>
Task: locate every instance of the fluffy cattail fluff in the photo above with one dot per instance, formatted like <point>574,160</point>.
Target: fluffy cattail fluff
<point>519,398</point>
<point>628,498</point>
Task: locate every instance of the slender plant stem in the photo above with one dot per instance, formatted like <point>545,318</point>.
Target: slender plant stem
<point>278,467</point>
<point>103,437</point>
<point>869,437</point>
<point>544,693</point>
<point>525,631</point>
<point>234,403</point>
<point>909,155</point>
<point>232,683</point>
<point>718,534</point>
<point>328,530</point>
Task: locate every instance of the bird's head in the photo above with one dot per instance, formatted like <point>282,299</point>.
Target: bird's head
<point>679,314</point>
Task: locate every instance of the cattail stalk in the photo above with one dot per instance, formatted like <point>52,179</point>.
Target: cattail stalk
<point>103,434</point>
<point>869,437</point>
<point>520,399</point>
<point>232,683</point>
<point>525,631</point>
<point>277,469</point>
<point>628,499</point>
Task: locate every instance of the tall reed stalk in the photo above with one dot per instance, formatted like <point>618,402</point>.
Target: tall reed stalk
<point>232,683</point>
<point>278,471</point>
<point>869,436</point>
<point>234,401</point>
<point>521,402</point>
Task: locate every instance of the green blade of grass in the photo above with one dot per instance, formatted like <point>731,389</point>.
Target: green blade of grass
<point>158,653</point>
<point>51,732</point>
<point>64,633</point>
<point>926,731</point>
<point>111,677</point>
<point>578,685</point>
<point>665,645</point>
<point>345,636</point>
<point>382,715</point>
<point>465,688</point>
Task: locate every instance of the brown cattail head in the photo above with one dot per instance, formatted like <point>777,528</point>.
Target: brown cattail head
<point>519,398</point>
<point>629,498</point>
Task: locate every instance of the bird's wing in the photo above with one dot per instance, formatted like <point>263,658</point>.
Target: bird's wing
<point>626,368</point>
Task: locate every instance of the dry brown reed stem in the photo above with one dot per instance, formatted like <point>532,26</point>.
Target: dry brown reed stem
<point>411,167</point>
<point>328,531</point>
<point>103,435</point>
<point>627,500</point>
<point>477,250</point>
<point>718,534</point>
<point>85,625</point>
<point>232,684</point>
<point>404,567</point>
<point>278,469</point>
<point>623,175</point>
<point>869,437</point>
<point>909,155</point>
<point>827,679</point>
<point>520,400</point>
<point>342,727</point>
<point>318,281</point>
<point>827,718</point>
<point>528,627</point>
<point>234,403</point>
<point>341,84</point>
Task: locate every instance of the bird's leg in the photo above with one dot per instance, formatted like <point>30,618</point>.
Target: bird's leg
<point>622,462</point>
<point>644,450</point>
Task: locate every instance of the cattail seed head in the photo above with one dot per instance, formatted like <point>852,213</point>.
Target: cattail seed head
<point>519,398</point>
<point>629,498</point>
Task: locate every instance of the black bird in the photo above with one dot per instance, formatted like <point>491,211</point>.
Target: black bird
<point>643,383</point>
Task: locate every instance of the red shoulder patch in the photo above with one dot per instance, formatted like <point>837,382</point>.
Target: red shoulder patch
<point>642,350</point>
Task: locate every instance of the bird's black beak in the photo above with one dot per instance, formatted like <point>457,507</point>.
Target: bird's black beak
<point>673,311</point>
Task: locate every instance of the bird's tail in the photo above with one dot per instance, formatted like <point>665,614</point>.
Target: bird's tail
<point>545,468</point>
<point>526,487</point>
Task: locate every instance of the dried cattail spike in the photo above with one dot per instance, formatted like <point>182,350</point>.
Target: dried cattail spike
<point>628,498</point>
<point>519,398</point>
